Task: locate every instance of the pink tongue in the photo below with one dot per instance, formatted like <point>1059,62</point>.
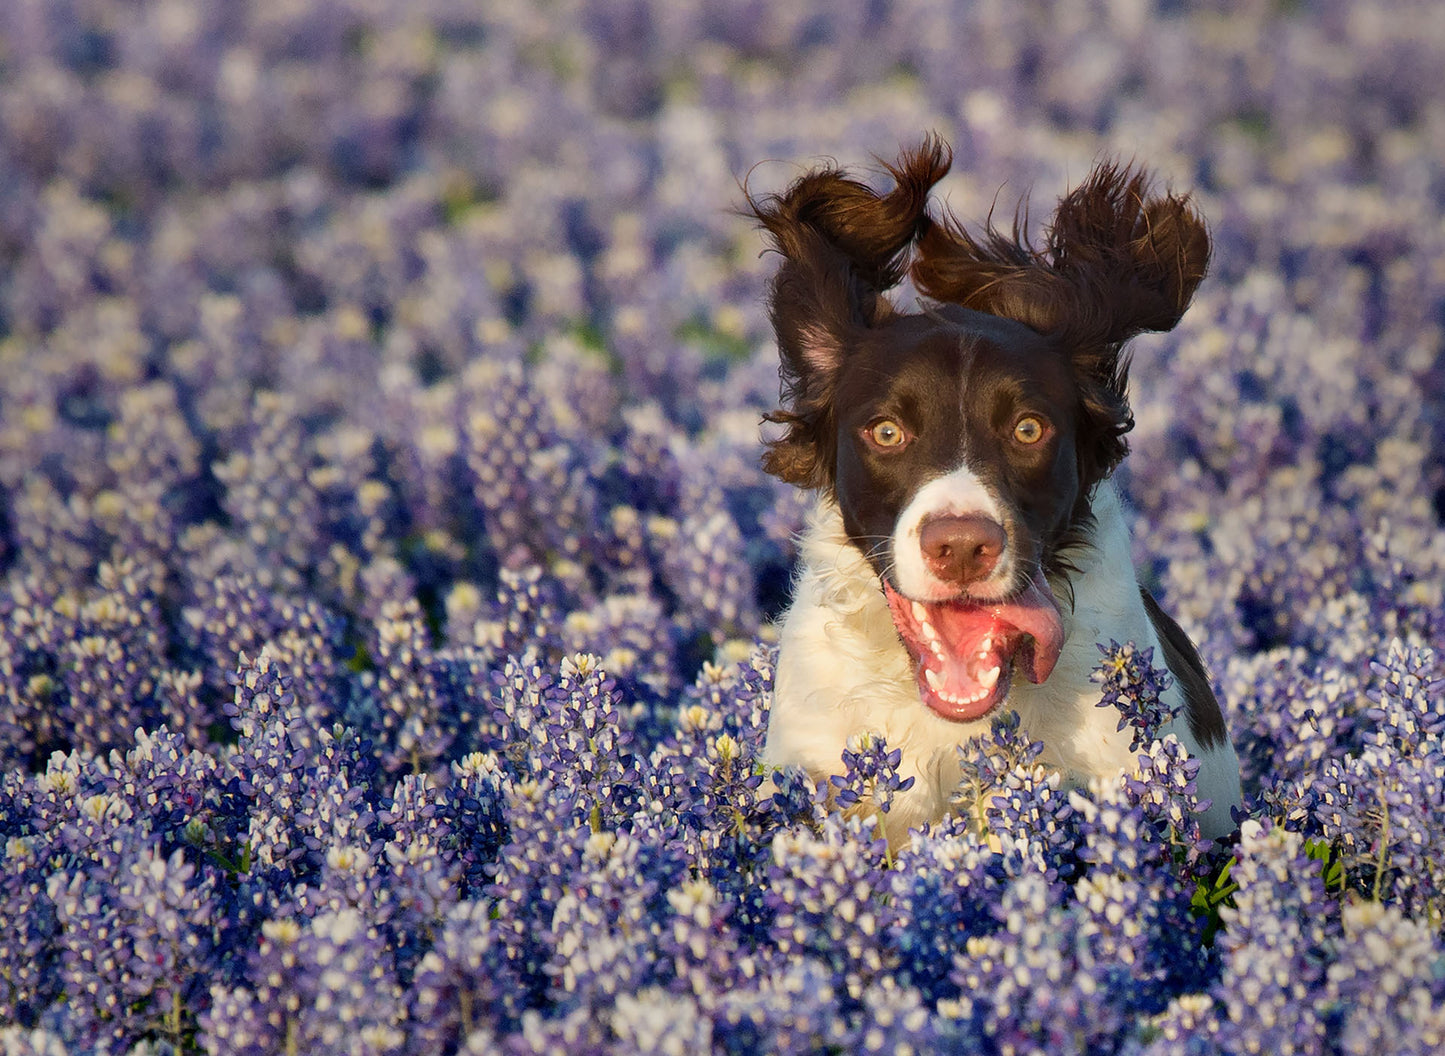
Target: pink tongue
<point>964,627</point>
<point>965,650</point>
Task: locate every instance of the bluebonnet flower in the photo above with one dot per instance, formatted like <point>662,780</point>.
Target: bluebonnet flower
<point>1385,980</point>
<point>528,614</point>
<point>155,458</point>
<point>654,1020</point>
<point>28,670</point>
<point>703,785</point>
<point>37,1042</point>
<point>944,890</point>
<point>420,868</point>
<point>268,496</point>
<point>406,689</point>
<point>793,1008</point>
<point>715,594</point>
<point>1039,982</point>
<point>317,984</point>
<point>1005,793</point>
<point>1135,687</point>
<point>601,932</point>
<point>28,922</point>
<point>545,847</point>
<point>573,731</point>
<point>357,376</point>
<point>169,786</point>
<point>236,616</point>
<point>1143,820</point>
<point>1409,711</point>
<point>139,949</point>
<point>631,636</point>
<point>111,661</point>
<point>724,698</point>
<point>1188,1027</point>
<point>826,893</point>
<point>1303,713</point>
<point>580,1030</point>
<point>1378,805</point>
<point>870,778</point>
<point>56,537</point>
<point>471,807</point>
<point>1274,946</point>
<point>898,1019</point>
<point>462,984</point>
<point>302,797</point>
<point>532,487</point>
<point>701,953</point>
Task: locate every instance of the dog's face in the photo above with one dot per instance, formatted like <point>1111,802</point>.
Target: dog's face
<point>957,473</point>
<point>957,461</point>
<point>962,443</point>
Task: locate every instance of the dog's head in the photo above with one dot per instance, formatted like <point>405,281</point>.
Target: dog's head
<point>962,442</point>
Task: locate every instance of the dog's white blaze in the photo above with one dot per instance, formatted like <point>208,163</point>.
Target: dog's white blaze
<point>957,493</point>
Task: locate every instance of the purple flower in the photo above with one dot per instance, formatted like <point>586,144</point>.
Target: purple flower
<point>28,963</point>
<point>826,895</point>
<point>1275,945</point>
<point>140,947</point>
<point>317,984</point>
<point>871,775</point>
<point>387,572</point>
<point>1135,687</point>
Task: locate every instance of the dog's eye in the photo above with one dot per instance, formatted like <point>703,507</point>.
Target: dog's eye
<point>887,433</point>
<point>1030,430</point>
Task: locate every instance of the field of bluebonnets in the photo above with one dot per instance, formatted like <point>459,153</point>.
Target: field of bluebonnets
<point>387,569</point>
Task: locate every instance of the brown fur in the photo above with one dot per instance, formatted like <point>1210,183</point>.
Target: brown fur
<point>1116,262</point>
<point>843,246</point>
<point>1206,720</point>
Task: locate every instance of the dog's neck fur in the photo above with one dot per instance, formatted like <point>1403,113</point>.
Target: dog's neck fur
<point>842,671</point>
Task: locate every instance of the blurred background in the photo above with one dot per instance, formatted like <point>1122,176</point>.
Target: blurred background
<point>348,300</point>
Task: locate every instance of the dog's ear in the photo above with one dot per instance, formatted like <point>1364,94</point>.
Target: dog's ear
<point>1133,261</point>
<point>1116,262</point>
<point>843,246</point>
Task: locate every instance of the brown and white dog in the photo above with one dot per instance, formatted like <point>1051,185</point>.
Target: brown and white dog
<point>968,551</point>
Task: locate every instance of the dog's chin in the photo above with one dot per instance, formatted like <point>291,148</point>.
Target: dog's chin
<point>965,652</point>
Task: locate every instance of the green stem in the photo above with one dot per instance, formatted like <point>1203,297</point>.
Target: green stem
<point>1384,847</point>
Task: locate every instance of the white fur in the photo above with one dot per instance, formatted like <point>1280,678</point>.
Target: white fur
<point>842,670</point>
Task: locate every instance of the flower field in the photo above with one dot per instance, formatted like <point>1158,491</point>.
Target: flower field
<point>387,573</point>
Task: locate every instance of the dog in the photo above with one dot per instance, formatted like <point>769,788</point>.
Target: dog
<point>968,551</point>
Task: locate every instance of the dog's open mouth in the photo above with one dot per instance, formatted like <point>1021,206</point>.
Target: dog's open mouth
<point>965,651</point>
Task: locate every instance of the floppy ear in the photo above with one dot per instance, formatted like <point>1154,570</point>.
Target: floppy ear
<point>1116,262</point>
<point>843,245</point>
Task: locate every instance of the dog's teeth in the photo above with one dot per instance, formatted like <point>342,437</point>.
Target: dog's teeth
<point>988,679</point>
<point>986,645</point>
<point>930,634</point>
<point>935,680</point>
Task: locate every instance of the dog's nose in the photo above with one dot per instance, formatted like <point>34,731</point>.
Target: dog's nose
<point>961,549</point>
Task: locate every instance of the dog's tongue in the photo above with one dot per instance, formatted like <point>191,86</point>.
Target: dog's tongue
<point>965,651</point>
